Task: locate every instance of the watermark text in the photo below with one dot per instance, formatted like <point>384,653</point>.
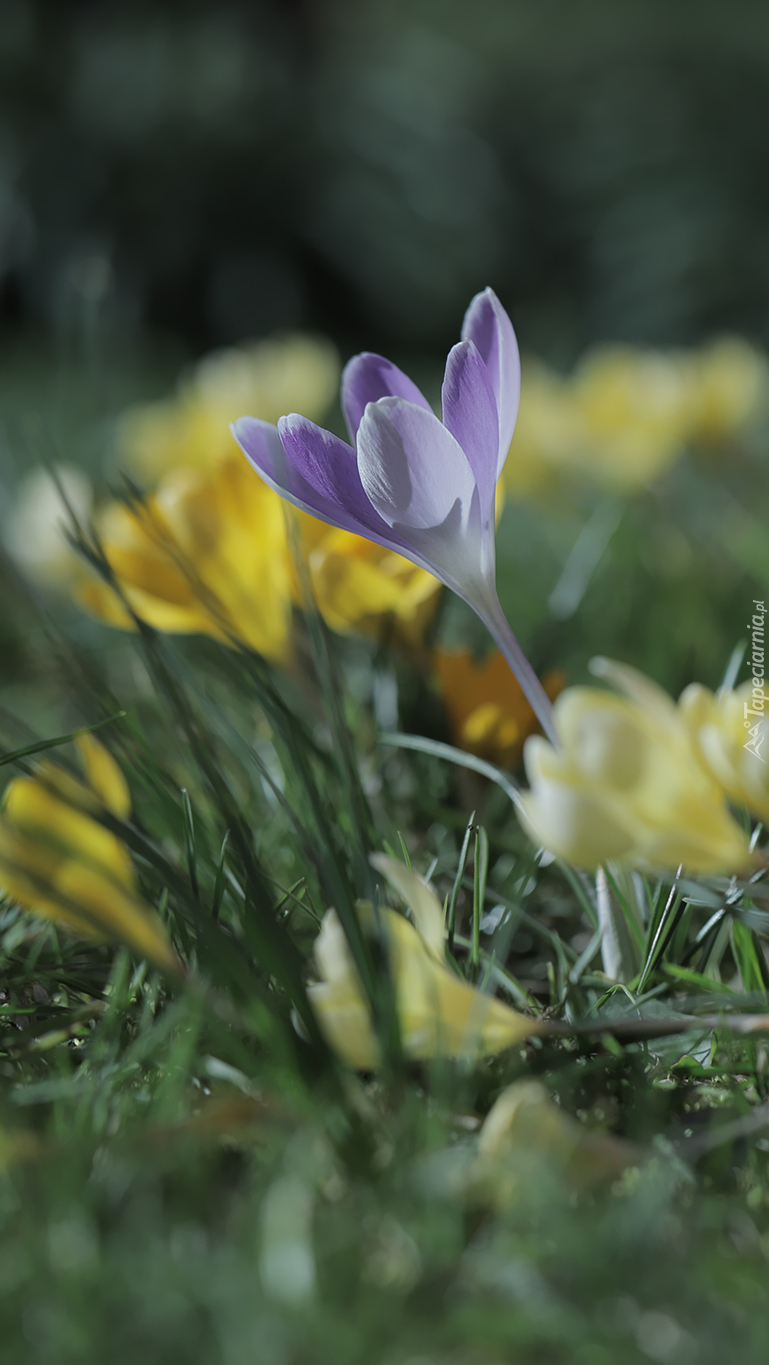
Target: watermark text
<point>754,709</point>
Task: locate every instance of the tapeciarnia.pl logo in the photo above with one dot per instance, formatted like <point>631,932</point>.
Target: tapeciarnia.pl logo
<point>755,707</point>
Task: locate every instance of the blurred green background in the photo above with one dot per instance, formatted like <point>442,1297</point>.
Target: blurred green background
<point>216,171</point>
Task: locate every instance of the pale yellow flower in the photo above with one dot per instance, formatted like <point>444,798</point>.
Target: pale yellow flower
<point>58,861</point>
<point>636,407</point>
<point>439,1013</point>
<point>618,420</point>
<point>208,554</point>
<point>35,529</point>
<point>731,380</point>
<point>627,784</point>
<point>625,414</point>
<point>191,430</point>
<point>549,432</point>
<point>731,735</point>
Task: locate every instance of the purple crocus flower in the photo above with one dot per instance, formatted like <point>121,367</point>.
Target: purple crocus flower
<point>409,481</point>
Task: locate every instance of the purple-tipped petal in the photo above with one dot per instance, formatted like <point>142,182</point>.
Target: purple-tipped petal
<point>323,461</point>
<point>367,378</point>
<point>487,324</point>
<point>412,469</point>
<point>470,414</point>
<point>329,467</point>
<point>263,448</point>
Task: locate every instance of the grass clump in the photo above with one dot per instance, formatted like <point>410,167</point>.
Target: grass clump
<point>189,1172</point>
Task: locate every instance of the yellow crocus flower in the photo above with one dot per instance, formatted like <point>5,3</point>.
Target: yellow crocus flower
<point>627,784</point>
<point>732,739</point>
<point>191,430</point>
<point>59,861</point>
<point>439,1014</point>
<point>206,554</point>
<point>488,713</point>
<point>104,777</point>
<point>362,587</point>
<point>210,553</point>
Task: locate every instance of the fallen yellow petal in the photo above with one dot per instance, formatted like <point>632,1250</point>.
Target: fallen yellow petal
<point>524,1125</point>
<point>439,1014</point>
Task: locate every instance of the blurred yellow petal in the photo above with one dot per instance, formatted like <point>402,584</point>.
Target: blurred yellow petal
<point>525,1128</point>
<point>732,740</point>
<point>104,776</point>
<point>361,587</point>
<point>59,862</point>
<point>625,414</point>
<point>35,811</point>
<point>637,407</point>
<point>547,434</point>
<point>265,379</point>
<point>419,897</point>
<point>345,1021</point>
<point>627,783</point>
<point>106,605</point>
<point>27,867</point>
<point>524,1114</point>
<point>119,916</point>
<point>207,554</point>
<point>296,372</point>
<point>338,1000</point>
<point>488,713</point>
<point>574,825</point>
<point>618,420</point>
<point>732,380</point>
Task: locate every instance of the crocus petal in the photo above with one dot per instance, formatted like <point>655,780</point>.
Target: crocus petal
<point>574,824</point>
<point>264,451</point>
<point>367,378</point>
<point>327,465</point>
<point>412,469</point>
<point>274,461</point>
<point>640,689</point>
<point>487,324</point>
<point>470,414</point>
<point>419,897</point>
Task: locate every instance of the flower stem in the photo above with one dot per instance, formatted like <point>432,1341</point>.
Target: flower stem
<point>498,627</point>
